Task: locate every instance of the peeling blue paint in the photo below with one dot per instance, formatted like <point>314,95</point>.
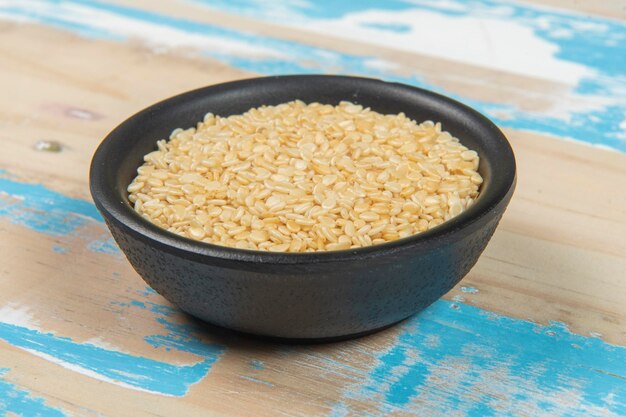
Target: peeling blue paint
<point>391,27</point>
<point>180,336</point>
<point>256,380</point>
<point>594,42</point>
<point>455,357</point>
<point>256,364</point>
<point>160,309</point>
<point>295,58</point>
<point>131,370</point>
<point>147,291</point>
<point>339,410</point>
<point>59,249</point>
<point>469,290</point>
<point>476,363</point>
<point>106,246</point>
<point>318,9</point>
<point>446,359</point>
<point>120,367</point>
<point>45,211</point>
<point>40,209</point>
<point>20,402</point>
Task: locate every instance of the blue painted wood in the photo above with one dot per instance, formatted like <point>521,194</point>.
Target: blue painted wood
<point>121,368</point>
<point>591,42</point>
<point>37,208</point>
<point>452,358</point>
<point>19,401</point>
<point>493,362</point>
<point>50,213</point>
<point>458,359</point>
<point>595,43</point>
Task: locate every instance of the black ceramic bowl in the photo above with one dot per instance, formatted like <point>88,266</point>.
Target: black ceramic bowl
<point>311,295</point>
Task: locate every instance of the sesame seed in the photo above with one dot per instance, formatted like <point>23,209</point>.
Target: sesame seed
<point>302,177</point>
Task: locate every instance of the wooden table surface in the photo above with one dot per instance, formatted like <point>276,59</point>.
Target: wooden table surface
<point>537,328</point>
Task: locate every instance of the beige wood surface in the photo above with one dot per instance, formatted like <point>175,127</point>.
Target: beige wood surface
<point>558,255</point>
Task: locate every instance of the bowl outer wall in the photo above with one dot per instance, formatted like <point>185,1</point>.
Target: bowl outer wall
<point>257,291</point>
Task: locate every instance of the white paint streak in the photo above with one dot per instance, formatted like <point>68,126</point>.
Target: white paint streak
<point>18,315</point>
<point>450,5</point>
<point>566,104</point>
<point>381,65</point>
<point>16,19</point>
<point>157,36</point>
<point>13,196</point>
<point>622,126</point>
<point>279,10</point>
<point>80,114</point>
<point>92,374</point>
<point>497,381</point>
<point>97,341</point>
<point>498,44</point>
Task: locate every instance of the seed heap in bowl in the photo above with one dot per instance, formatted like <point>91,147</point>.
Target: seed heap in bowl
<point>305,177</point>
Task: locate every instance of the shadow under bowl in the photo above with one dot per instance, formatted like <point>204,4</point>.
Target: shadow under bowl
<point>314,296</point>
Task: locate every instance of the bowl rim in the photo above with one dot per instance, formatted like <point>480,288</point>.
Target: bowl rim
<point>108,202</point>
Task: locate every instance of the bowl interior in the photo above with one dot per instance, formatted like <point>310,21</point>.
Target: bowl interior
<point>116,160</point>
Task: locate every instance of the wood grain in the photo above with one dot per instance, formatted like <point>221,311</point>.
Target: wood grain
<point>553,277</point>
<point>456,77</point>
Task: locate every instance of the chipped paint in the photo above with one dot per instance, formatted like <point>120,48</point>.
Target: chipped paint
<point>583,51</point>
<point>339,410</point>
<point>450,355</point>
<point>147,291</point>
<point>593,114</point>
<point>45,211</point>
<point>59,249</point>
<point>452,358</point>
<point>14,399</point>
<point>256,380</point>
<point>42,210</point>
<point>100,360</point>
<point>455,357</point>
<point>469,290</point>
<point>465,361</point>
<point>19,315</point>
<point>180,336</point>
<point>105,245</point>
<point>461,343</point>
<point>567,33</point>
<point>116,367</point>
<point>97,19</point>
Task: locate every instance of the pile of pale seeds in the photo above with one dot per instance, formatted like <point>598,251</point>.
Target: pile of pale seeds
<point>302,178</point>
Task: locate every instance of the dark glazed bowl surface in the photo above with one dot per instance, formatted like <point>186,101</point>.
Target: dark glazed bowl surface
<point>310,295</point>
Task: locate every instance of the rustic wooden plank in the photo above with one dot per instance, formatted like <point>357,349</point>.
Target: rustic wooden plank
<point>535,328</point>
<point>581,99</point>
<point>610,9</point>
<point>113,322</point>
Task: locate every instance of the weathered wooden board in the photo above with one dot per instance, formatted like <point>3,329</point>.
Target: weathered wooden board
<point>537,327</point>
